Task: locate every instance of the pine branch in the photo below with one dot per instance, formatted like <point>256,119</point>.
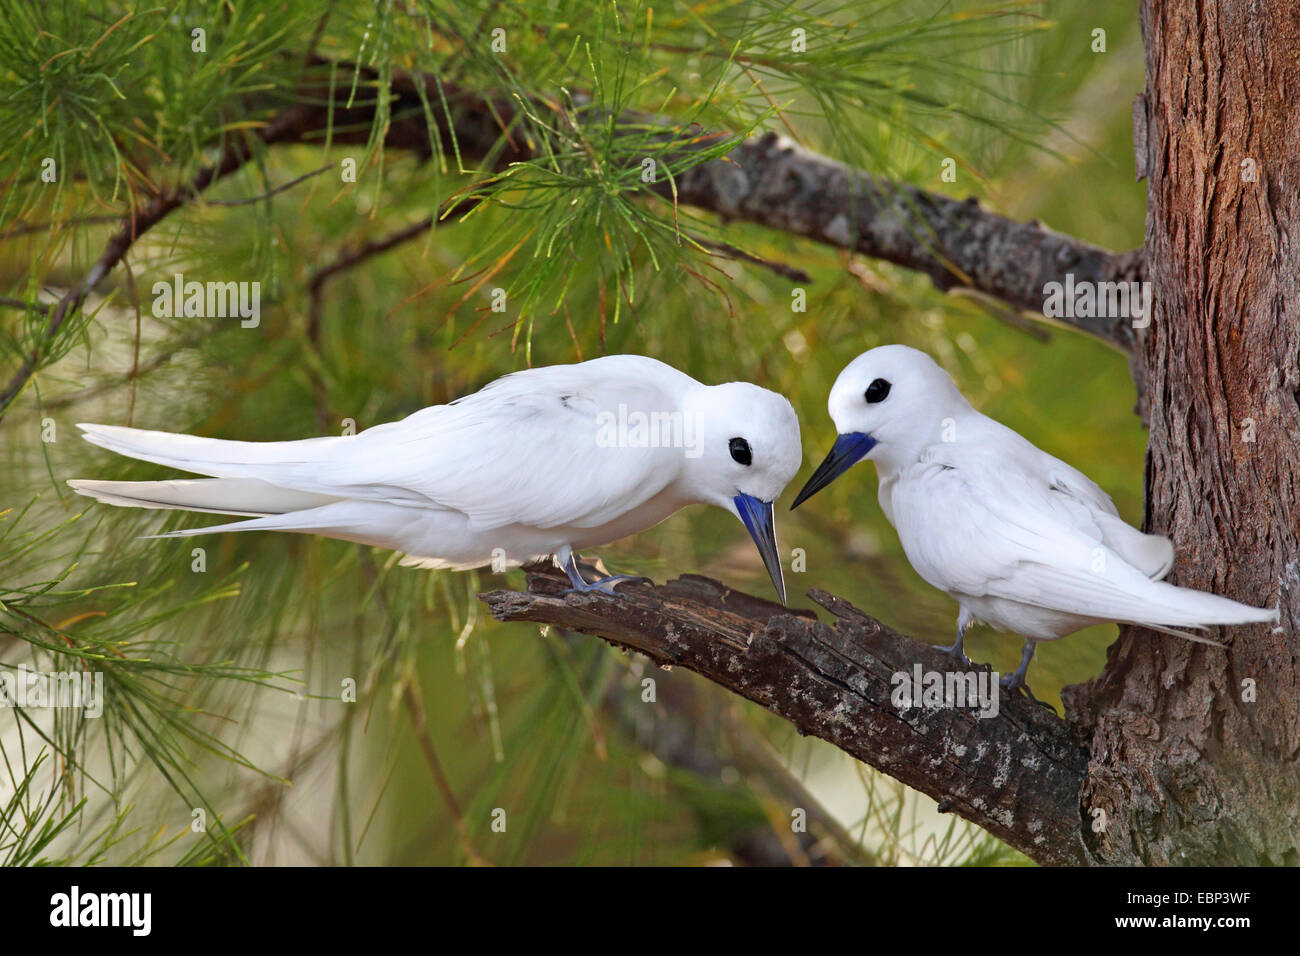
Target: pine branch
<point>1018,775</point>
<point>288,126</point>
<point>767,180</point>
<point>773,182</point>
<point>683,733</point>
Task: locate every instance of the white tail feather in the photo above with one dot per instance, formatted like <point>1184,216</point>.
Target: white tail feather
<point>226,496</point>
<point>1174,632</point>
<point>209,456</point>
<point>1173,606</point>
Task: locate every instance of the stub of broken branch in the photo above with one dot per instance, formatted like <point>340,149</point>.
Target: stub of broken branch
<point>1017,774</point>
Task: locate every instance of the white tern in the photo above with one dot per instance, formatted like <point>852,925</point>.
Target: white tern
<point>1019,539</point>
<point>539,463</point>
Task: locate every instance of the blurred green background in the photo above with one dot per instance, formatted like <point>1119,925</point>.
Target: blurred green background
<point>225,684</point>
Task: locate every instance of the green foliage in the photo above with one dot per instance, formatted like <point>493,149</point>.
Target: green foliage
<point>224,685</point>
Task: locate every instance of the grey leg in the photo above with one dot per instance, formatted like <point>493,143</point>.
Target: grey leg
<point>1012,681</point>
<point>1017,680</point>
<point>958,650</point>
<point>612,579</point>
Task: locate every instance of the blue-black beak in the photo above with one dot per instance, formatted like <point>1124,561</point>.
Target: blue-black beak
<point>845,453</point>
<point>760,522</point>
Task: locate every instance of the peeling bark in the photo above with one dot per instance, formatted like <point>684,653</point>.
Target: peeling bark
<point>1017,775</point>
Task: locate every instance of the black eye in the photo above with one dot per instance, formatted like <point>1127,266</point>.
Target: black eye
<point>877,391</point>
<point>740,451</point>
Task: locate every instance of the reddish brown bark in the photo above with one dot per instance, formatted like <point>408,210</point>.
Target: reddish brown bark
<point>1187,769</point>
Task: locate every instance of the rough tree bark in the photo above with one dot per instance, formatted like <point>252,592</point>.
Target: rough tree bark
<point>1186,766</point>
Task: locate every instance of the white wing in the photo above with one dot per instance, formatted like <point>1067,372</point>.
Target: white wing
<point>971,522</point>
<point>1152,554</point>
<point>525,449</point>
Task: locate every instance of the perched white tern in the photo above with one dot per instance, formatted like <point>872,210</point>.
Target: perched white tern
<point>539,463</point>
<point>1019,539</point>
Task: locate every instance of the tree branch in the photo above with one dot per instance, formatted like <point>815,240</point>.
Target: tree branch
<point>1018,775</point>
<point>772,181</point>
<point>288,126</point>
<point>768,180</point>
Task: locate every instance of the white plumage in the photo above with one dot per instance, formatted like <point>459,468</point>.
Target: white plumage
<point>532,465</point>
<point>1021,540</point>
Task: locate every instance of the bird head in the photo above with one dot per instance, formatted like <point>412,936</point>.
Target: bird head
<point>747,450</point>
<point>887,404</point>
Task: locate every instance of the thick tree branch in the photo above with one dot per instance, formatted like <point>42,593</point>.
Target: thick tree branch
<point>1017,775</point>
<point>771,181</point>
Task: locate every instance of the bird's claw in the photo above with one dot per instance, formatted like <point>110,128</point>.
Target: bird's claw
<point>620,578</point>
<point>1014,682</point>
<point>606,584</point>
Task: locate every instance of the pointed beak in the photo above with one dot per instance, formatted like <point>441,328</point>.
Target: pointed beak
<point>760,522</point>
<point>845,453</point>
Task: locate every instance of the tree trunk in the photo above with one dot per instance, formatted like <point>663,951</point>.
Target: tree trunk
<point>1194,749</point>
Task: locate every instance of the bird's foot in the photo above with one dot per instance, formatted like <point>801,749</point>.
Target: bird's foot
<point>606,584</point>
<point>958,650</point>
<point>1013,682</point>
<point>958,654</point>
<point>620,578</point>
